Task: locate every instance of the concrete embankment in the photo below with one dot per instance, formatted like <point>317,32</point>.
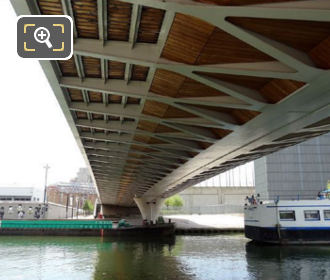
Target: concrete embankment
<point>203,224</point>
<point>208,224</point>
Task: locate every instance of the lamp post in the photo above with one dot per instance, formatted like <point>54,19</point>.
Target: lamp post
<point>46,174</point>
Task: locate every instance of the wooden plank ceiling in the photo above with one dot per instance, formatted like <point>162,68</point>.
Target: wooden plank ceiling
<point>177,118</point>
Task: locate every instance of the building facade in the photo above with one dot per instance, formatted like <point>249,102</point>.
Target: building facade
<point>20,194</point>
<point>214,200</point>
<point>300,171</point>
<point>74,193</point>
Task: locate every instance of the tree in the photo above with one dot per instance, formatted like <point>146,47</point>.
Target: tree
<point>88,207</point>
<point>175,201</point>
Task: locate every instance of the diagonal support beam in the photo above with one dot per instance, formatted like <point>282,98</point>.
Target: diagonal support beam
<point>224,119</point>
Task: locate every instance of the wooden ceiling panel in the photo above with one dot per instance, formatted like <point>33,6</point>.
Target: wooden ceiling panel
<point>273,90</point>
<point>204,145</point>
<point>171,84</point>
<point>139,73</point>
<point>192,88</point>
<point>321,54</point>
<point>240,80</point>
<point>133,100</point>
<point>116,70</point>
<point>222,47</point>
<point>85,129</point>
<point>155,127</point>
<point>156,141</point>
<point>50,7</point>
<point>221,132</point>
<point>136,156</point>
<point>81,115</point>
<point>307,36</point>
<point>129,119</point>
<point>98,117</point>
<point>161,110</point>
<point>241,2</point>
<point>166,83</point>
<point>148,126</point>
<point>68,67</point>
<point>147,139</point>
<point>298,34</point>
<point>95,96</point>
<point>75,95</point>
<point>186,39</point>
<point>163,129</point>
<point>85,15</point>
<point>119,20</point>
<point>150,25</point>
<point>92,67</point>
<point>173,112</point>
<point>142,149</point>
<point>117,99</point>
<point>194,41</point>
<point>114,118</point>
<point>278,89</point>
<point>240,115</point>
<point>154,108</point>
<point>243,116</point>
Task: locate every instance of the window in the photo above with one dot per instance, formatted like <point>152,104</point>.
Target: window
<point>312,215</point>
<point>326,214</point>
<point>287,216</point>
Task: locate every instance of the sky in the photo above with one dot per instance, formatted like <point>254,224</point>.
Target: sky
<point>33,129</point>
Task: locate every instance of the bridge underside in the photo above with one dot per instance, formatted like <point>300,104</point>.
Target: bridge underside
<point>163,95</point>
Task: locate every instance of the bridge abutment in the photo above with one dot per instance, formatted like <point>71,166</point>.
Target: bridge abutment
<point>113,211</point>
<point>149,209</point>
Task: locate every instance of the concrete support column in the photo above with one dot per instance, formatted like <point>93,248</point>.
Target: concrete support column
<point>149,209</point>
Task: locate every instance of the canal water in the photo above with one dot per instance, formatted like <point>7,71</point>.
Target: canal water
<point>186,257</point>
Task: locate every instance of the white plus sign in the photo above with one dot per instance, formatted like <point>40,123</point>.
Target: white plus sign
<point>42,34</point>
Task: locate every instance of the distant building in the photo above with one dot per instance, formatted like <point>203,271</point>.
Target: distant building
<point>74,193</point>
<point>301,170</point>
<point>83,176</point>
<point>19,194</point>
<point>69,194</point>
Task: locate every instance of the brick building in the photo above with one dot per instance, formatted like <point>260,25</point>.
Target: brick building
<point>74,193</point>
<point>71,194</point>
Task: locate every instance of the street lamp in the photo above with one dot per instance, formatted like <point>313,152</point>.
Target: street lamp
<point>46,174</point>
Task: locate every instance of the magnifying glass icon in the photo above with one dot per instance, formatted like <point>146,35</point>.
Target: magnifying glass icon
<point>41,35</point>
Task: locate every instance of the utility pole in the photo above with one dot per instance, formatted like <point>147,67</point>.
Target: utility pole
<point>46,174</point>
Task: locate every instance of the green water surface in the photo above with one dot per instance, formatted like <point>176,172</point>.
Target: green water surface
<point>186,257</point>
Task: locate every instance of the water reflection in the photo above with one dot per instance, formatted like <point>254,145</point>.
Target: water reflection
<point>189,257</point>
<point>140,260</point>
<point>288,262</point>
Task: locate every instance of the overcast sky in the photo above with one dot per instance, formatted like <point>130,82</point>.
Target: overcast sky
<point>33,130</point>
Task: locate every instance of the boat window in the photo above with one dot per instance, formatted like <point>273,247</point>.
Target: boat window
<point>327,214</point>
<point>312,215</point>
<point>287,216</point>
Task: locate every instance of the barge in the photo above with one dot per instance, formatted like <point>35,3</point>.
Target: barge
<point>288,222</point>
<point>82,228</point>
